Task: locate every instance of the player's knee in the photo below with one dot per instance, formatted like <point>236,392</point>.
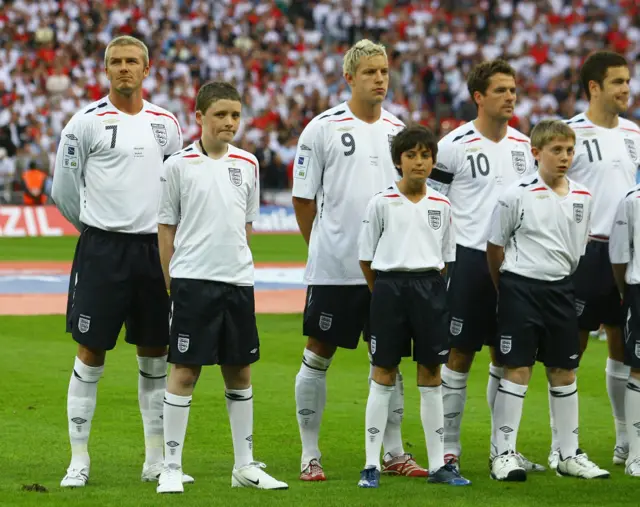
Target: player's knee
<point>320,348</point>
<point>518,375</point>
<point>236,377</point>
<point>559,377</point>
<point>87,373</point>
<point>460,360</point>
<point>429,375</point>
<point>184,376</point>
<point>385,376</point>
<point>495,360</point>
<point>91,357</point>
<point>152,367</point>
<point>314,365</point>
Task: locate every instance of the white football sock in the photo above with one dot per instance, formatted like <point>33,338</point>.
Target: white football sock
<point>175,419</point>
<point>495,376</point>
<point>81,405</point>
<point>454,397</point>
<point>563,405</point>
<point>431,414</point>
<point>152,383</point>
<point>507,413</point>
<point>375,421</point>
<point>617,377</point>
<point>632,412</point>
<point>555,446</point>
<point>392,440</point>
<point>240,409</point>
<point>311,397</point>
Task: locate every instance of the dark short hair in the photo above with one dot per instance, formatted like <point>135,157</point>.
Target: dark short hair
<point>479,77</point>
<point>409,138</point>
<point>596,66</point>
<point>213,91</point>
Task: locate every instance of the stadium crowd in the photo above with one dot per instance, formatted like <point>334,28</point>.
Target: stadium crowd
<point>285,57</point>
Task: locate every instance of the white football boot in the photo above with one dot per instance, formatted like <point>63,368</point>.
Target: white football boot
<point>75,478</point>
<point>252,476</point>
<point>620,455</point>
<point>633,468</point>
<point>507,467</point>
<point>151,473</point>
<point>170,480</point>
<point>580,466</point>
<point>554,458</point>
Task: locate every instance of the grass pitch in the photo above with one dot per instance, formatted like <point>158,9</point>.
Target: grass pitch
<point>36,365</point>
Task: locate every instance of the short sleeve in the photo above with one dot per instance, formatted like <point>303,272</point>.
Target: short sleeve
<point>621,234</point>
<point>169,206</point>
<point>370,231</point>
<point>504,218</point>
<point>445,168</point>
<point>309,161</point>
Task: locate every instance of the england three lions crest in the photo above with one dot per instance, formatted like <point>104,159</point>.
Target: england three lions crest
<point>435,219</point>
<point>631,150</point>
<point>578,212</point>
<point>235,175</point>
<point>519,161</point>
<point>160,133</point>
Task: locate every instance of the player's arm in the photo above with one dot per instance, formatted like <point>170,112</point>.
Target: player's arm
<point>620,243</point>
<point>175,138</point>
<point>70,164</point>
<point>444,170</point>
<point>307,175</point>
<point>168,216</point>
<point>253,204</point>
<point>370,232</point>
<point>503,225</point>
<point>448,241</point>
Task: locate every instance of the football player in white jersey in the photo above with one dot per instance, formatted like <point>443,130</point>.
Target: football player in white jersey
<point>476,162</point>
<point>405,240</point>
<point>210,198</point>
<point>539,231</point>
<point>106,183</point>
<point>626,270</point>
<point>343,158</point>
<point>606,162</point>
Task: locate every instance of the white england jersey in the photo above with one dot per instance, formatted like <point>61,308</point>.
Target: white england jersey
<point>625,233</point>
<point>400,235</point>
<point>341,162</point>
<point>108,166</point>
<point>211,201</point>
<point>472,171</point>
<point>606,162</point>
<point>543,234</point>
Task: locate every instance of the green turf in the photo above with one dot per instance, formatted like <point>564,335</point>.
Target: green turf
<point>265,247</point>
<point>36,364</point>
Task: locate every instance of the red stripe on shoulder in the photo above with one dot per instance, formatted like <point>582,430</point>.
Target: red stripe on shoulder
<point>581,192</point>
<point>518,139</point>
<point>338,121</point>
<point>194,155</point>
<point>394,124</point>
<point>439,199</point>
<point>393,195</point>
<point>576,128</point>
<point>255,166</point>
<point>630,130</point>
<point>538,189</point>
<point>472,140</point>
<point>156,113</point>
<point>107,112</point>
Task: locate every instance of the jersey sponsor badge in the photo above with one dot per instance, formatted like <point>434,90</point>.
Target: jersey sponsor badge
<point>631,150</point>
<point>160,133</point>
<point>84,323</point>
<point>519,161</point>
<point>578,211</point>
<point>302,163</point>
<point>505,344</point>
<point>326,319</point>
<point>235,175</point>
<point>455,327</point>
<point>183,342</point>
<point>435,219</point>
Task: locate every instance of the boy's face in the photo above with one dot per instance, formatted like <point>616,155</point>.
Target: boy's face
<point>555,157</point>
<point>416,164</point>
<point>221,120</point>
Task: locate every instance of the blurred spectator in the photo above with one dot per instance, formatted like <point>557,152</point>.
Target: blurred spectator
<point>286,58</point>
<point>33,182</point>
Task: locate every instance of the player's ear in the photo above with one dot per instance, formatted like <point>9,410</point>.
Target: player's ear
<point>349,79</point>
<point>199,117</point>
<point>535,152</point>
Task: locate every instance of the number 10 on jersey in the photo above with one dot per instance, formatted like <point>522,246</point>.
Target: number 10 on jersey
<point>479,163</point>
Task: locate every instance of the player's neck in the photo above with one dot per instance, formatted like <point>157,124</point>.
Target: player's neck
<point>494,130</point>
<point>131,104</point>
<point>598,116</point>
<point>558,183</point>
<point>213,148</point>
<point>366,112</point>
<point>412,189</point>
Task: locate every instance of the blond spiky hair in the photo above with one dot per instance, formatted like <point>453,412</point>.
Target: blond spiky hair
<point>361,49</point>
<point>127,40</point>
